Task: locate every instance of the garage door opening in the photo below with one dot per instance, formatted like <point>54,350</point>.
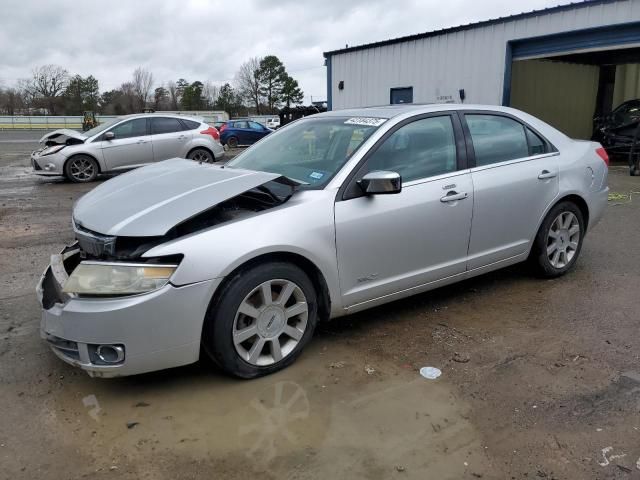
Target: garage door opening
<point>569,91</point>
<point>571,78</point>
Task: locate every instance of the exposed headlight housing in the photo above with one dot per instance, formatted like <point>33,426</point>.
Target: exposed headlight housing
<point>50,150</point>
<point>113,278</point>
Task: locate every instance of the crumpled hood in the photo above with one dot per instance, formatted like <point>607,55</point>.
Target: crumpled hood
<point>149,201</point>
<point>61,135</point>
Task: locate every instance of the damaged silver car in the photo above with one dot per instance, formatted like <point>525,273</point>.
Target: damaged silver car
<point>332,214</point>
<point>124,143</point>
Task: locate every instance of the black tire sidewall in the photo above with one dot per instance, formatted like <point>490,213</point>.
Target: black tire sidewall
<point>232,142</point>
<point>67,167</point>
<point>540,259</point>
<point>217,331</point>
<point>197,150</point>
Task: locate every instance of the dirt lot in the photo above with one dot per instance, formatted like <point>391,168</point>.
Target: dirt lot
<point>540,378</point>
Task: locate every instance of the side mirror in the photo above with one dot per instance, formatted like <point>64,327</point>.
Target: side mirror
<point>381,182</point>
<point>109,136</point>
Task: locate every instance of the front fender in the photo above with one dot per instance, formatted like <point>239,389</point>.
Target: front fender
<point>303,226</point>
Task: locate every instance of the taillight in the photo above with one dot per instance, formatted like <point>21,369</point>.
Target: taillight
<point>602,153</point>
<point>222,127</point>
<point>211,131</point>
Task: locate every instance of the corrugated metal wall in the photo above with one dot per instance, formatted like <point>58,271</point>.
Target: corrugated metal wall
<point>561,94</point>
<point>437,67</point>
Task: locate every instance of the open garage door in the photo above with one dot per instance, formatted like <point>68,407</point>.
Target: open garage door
<point>568,79</point>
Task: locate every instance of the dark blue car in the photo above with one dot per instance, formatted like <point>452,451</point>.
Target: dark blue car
<point>242,132</point>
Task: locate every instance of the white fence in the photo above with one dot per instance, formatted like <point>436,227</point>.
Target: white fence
<point>51,122</point>
<point>45,122</point>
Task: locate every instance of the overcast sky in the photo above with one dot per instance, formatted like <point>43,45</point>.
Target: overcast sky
<point>208,40</point>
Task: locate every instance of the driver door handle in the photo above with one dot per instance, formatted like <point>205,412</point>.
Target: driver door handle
<point>141,141</point>
<point>454,196</point>
<point>545,174</point>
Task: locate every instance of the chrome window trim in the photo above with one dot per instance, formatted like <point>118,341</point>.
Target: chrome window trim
<point>514,161</point>
<point>435,178</point>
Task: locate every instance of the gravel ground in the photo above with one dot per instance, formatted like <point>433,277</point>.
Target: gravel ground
<point>540,378</point>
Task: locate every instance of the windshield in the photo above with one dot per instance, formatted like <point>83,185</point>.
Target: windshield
<point>102,127</point>
<point>311,150</point>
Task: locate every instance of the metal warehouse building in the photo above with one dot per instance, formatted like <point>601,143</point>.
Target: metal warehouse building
<point>563,64</point>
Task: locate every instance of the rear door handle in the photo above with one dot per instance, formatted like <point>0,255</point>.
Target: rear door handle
<point>182,137</point>
<point>141,141</point>
<point>453,196</point>
<point>545,174</point>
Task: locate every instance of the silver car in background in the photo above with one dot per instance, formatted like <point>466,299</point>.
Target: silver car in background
<point>124,143</point>
<point>332,214</point>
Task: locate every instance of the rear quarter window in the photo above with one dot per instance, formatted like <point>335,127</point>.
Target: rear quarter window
<point>190,124</point>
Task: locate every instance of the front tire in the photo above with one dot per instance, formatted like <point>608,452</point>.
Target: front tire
<point>559,240</point>
<point>261,321</point>
<point>81,169</point>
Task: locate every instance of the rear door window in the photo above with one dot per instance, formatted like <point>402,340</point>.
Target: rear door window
<point>240,125</point>
<point>165,125</point>
<point>496,138</point>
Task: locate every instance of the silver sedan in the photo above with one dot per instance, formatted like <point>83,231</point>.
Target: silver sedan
<point>332,214</point>
<point>124,143</point>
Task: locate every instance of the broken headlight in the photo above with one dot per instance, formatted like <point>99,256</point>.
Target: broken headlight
<point>105,278</point>
<point>51,150</point>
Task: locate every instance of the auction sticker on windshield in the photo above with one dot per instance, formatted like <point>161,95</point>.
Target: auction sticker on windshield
<point>368,121</point>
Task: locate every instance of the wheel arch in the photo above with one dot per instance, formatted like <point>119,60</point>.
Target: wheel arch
<point>226,140</point>
<point>579,202</point>
<point>201,147</point>
<point>78,154</point>
<point>307,266</point>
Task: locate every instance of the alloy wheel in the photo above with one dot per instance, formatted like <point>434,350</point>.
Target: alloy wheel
<point>270,322</point>
<point>201,156</point>
<point>563,239</point>
<point>82,169</point>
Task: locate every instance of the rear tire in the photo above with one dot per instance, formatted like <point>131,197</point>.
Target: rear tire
<point>559,240</point>
<point>232,142</point>
<point>81,169</point>
<point>201,155</point>
<point>261,320</point>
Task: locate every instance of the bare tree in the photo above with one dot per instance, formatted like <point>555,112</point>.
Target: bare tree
<point>47,84</point>
<point>129,97</point>
<point>173,94</point>
<point>11,100</point>
<point>248,82</point>
<point>142,82</point>
<point>210,94</point>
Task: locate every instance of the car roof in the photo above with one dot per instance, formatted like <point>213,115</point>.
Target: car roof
<point>160,114</point>
<point>390,111</point>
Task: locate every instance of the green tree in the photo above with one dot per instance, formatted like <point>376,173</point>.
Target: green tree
<point>229,100</point>
<point>81,94</point>
<point>271,76</point>
<point>181,84</point>
<point>291,92</point>
<point>192,96</point>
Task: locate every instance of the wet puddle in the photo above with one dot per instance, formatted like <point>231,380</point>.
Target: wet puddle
<point>315,416</point>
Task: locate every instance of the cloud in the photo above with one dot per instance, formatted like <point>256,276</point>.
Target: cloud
<point>208,40</point>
